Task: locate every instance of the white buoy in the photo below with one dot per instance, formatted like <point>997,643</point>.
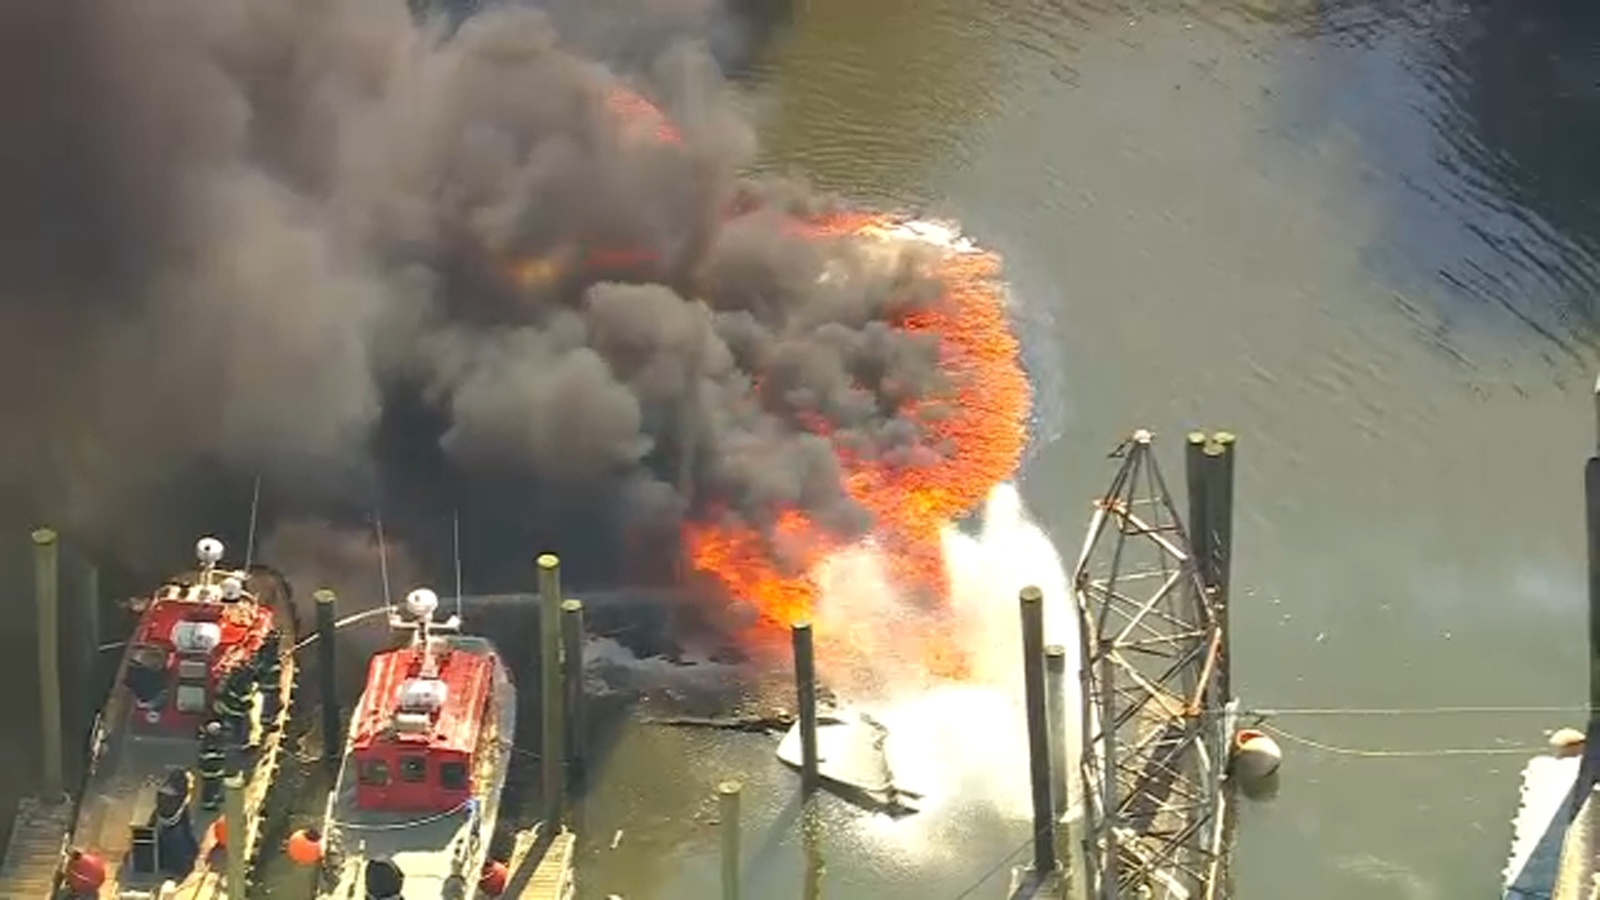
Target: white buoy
<point>1256,755</point>
<point>1566,742</point>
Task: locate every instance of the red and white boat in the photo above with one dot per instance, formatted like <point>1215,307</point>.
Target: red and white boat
<point>202,693</point>
<point>413,811</point>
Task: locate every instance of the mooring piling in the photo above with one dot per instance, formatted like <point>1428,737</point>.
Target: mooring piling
<point>238,840</point>
<point>572,679</point>
<point>1589,769</point>
<point>1055,679</point>
<point>89,601</point>
<point>1219,516</point>
<point>728,816</point>
<point>1591,504</point>
<point>1219,506</point>
<point>1033,666</point>
<point>805,682</point>
<point>1196,472</point>
<point>46,594</point>
<point>552,744</point>
<point>328,678</point>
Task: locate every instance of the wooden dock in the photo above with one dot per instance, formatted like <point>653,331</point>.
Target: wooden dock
<point>546,874</point>
<point>38,839</point>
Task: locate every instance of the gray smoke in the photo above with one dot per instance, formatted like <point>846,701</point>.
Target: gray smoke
<point>280,237</point>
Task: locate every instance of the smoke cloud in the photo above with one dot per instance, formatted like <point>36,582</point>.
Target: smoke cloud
<point>354,253</point>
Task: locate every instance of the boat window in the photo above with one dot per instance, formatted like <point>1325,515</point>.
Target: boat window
<point>374,772</point>
<point>453,775</point>
<point>413,769</point>
<point>190,698</point>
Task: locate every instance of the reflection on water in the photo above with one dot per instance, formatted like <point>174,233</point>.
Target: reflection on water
<point>1476,137</point>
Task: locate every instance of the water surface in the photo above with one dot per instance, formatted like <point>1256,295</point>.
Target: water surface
<point>1359,234</point>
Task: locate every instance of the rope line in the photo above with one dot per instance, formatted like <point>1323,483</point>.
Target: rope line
<point>995,869</point>
<point>351,619</point>
<point>1381,753</point>
<point>396,826</point>
<point>1417,711</point>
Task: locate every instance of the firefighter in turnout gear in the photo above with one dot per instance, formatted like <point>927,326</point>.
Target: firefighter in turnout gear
<point>232,705</point>
<point>269,675</point>
<point>213,765</point>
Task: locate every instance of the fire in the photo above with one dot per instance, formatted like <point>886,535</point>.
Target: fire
<point>976,434</point>
<point>640,119</point>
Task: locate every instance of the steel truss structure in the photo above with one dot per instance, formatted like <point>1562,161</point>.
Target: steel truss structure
<point>1157,720</point>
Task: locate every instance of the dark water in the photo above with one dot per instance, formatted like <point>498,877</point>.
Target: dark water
<point>1363,235</point>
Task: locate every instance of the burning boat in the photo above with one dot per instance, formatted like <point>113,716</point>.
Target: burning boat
<point>412,813</point>
<point>202,695</point>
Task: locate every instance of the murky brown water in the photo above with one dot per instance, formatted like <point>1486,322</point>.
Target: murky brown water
<point>1361,235</point>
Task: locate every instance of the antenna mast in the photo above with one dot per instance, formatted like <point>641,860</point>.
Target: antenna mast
<point>255,506</point>
<point>383,561</point>
<point>455,527</point>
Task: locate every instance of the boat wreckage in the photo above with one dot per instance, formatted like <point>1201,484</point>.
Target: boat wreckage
<point>852,752</point>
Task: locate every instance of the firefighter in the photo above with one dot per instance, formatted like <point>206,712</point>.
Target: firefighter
<point>232,705</point>
<point>213,765</point>
<point>269,672</point>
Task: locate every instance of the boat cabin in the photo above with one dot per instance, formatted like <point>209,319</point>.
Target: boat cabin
<point>191,636</point>
<point>415,733</point>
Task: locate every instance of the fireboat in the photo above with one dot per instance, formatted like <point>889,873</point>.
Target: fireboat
<point>202,695</point>
<point>413,810</point>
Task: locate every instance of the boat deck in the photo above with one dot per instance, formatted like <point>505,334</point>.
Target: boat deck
<point>38,839</point>
<point>123,789</point>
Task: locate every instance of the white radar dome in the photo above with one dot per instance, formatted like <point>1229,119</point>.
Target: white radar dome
<point>232,587</point>
<point>209,550</point>
<point>421,603</point>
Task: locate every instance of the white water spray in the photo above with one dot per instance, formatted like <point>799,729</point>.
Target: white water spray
<point>962,743</point>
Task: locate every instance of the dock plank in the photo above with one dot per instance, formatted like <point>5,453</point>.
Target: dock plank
<point>38,839</point>
<point>543,875</point>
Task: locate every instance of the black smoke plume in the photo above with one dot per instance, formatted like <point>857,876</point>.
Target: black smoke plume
<point>290,239</point>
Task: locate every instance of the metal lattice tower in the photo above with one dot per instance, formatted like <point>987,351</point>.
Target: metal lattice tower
<point>1154,733</point>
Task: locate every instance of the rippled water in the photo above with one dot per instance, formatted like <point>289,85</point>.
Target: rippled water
<point>1360,234</point>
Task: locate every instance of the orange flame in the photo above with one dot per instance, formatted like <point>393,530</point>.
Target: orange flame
<point>975,435</point>
<point>640,119</point>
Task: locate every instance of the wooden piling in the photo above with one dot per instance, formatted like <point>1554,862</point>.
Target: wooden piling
<point>46,593</point>
<point>805,680</point>
<point>728,813</point>
<point>328,679</point>
<point>89,598</point>
<point>572,681</point>
<point>1591,504</point>
<point>1055,679</point>
<point>1219,514</point>
<point>238,834</point>
<point>552,744</point>
<point>1196,474</point>
<point>1589,767</point>
<point>1044,820</point>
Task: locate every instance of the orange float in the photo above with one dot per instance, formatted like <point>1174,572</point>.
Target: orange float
<point>305,847</point>
<point>496,875</point>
